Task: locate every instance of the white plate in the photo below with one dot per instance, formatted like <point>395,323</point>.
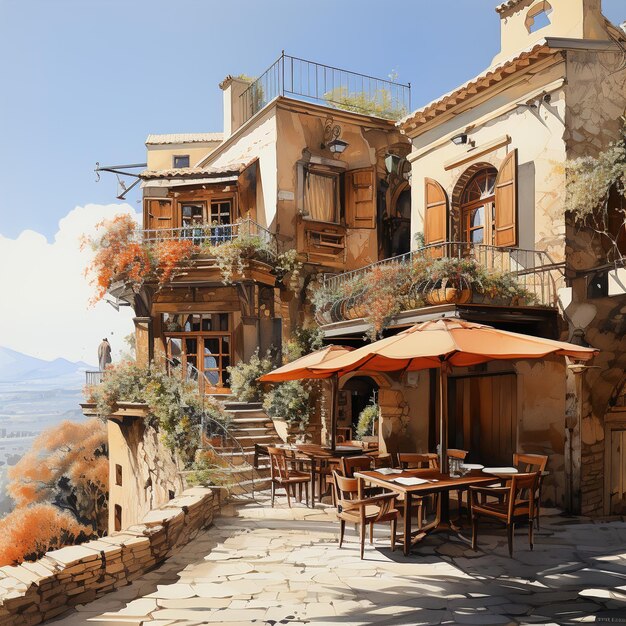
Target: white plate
<point>472,466</point>
<point>500,470</point>
<point>410,482</point>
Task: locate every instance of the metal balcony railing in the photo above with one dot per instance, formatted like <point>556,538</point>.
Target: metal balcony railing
<point>212,234</point>
<point>93,378</point>
<point>532,270</point>
<point>324,84</point>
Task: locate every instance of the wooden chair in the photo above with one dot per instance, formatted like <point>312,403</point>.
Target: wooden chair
<point>529,463</point>
<point>284,476</point>
<point>379,459</point>
<point>350,464</point>
<point>417,460</point>
<point>512,508</point>
<point>354,508</point>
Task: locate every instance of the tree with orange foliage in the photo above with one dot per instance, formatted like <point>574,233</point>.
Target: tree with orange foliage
<point>29,532</point>
<point>67,466</point>
<point>121,254</point>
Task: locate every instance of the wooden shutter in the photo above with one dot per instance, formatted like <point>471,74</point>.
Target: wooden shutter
<point>361,198</point>
<point>435,215</point>
<point>159,213</point>
<point>506,202</point>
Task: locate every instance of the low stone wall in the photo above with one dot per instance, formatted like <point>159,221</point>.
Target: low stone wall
<point>33,592</point>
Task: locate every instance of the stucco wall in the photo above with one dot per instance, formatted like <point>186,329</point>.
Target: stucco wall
<point>256,140</point>
<point>150,473</point>
<point>541,393</point>
<point>161,157</point>
<point>537,133</point>
<point>300,131</point>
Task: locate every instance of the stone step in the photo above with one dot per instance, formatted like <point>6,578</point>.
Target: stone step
<point>243,406</point>
<point>249,431</point>
<point>243,413</point>
<point>260,419</point>
<point>248,441</point>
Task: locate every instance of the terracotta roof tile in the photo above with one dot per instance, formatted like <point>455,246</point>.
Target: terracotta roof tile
<point>475,86</point>
<point>194,172</point>
<point>509,4</point>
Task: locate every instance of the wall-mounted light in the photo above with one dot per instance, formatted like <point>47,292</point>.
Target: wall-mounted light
<point>331,139</point>
<point>460,139</point>
<point>337,146</point>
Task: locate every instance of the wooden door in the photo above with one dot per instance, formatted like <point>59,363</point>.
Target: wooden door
<point>483,418</point>
<point>617,472</point>
<point>158,214</point>
<point>360,191</point>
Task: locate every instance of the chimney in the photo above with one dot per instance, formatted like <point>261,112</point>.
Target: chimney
<point>233,110</point>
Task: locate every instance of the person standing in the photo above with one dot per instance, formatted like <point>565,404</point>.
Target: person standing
<point>104,354</point>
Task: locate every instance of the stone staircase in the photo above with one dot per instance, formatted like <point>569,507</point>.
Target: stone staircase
<point>250,425</point>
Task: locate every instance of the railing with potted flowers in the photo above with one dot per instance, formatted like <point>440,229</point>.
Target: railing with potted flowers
<point>452,272</point>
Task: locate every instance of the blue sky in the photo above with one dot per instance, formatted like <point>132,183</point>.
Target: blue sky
<point>87,80</point>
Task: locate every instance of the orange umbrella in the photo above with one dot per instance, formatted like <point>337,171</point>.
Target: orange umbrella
<point>446,343</point>
<point>301,368</point>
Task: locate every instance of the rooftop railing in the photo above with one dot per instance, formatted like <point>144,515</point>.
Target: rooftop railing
<point>327,85</point>
<point>532,270</point>
<point>212,234</point>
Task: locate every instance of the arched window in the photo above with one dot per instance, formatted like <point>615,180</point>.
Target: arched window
<point>478,208</point>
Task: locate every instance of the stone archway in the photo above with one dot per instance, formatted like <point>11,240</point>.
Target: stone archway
<point>394,408</point>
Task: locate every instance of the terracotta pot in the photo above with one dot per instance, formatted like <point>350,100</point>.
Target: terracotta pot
<point>448,295</point>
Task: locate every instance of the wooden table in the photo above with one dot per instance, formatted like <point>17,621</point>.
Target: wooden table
<point>441,484</point>
<point>318,455</point>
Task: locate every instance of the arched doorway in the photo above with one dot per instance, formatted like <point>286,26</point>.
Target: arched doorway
<point>358,393</point>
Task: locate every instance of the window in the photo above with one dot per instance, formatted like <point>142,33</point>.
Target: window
<point>181,160</point>
<point>118,474</point>
<point>192,214</point>
<point>200,344</point>
<point>321,195</point>
<point>538,17</point>
<point>221,212</point>
<point>117,517</point>
<point>478,208</point>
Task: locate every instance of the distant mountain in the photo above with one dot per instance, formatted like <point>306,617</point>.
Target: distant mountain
<point>18,367</point>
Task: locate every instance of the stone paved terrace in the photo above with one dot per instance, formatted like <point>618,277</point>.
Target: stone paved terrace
<point>266,566</point>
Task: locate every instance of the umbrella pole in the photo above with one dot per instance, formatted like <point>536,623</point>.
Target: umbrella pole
<point>334,386</point>
<point>443,418</point>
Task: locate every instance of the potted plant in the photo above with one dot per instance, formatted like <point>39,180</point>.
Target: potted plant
<point>451,281</point>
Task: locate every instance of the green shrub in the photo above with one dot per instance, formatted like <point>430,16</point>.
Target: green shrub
<point>243,377</point>
<point>175,405</point>
<point>303,341</point>
<point>290,401</point>
<point>367,419</point>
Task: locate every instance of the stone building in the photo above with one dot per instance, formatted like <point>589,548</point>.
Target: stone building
<point>301,167</point>
<point>488,181</point>
<point>478,173</point>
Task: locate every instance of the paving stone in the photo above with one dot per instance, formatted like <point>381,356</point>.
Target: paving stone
<point>260,566</point>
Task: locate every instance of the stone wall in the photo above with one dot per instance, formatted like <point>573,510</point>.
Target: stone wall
<point>33,592</point>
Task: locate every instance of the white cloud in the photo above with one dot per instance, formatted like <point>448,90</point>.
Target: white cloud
<point>44,295</point>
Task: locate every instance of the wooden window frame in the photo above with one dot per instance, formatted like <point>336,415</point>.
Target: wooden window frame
<point>467,208</point>
<point>200,336</point>
<point>320,170</point>
<point>181,156</point>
